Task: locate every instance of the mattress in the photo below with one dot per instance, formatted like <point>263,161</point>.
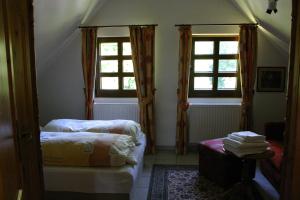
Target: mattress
<point>95,180</point>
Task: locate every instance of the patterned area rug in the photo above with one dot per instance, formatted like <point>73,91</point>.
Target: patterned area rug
<point>178,182</point>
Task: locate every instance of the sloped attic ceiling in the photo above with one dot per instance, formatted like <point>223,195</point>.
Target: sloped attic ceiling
<point>278,25</point>
<point>55,21</point>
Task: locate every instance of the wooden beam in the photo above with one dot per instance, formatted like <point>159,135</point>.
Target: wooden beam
<point>229,24</point>
<point>123,25</point>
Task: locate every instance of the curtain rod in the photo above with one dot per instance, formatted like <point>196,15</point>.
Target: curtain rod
<point>232,24</point>
<point>124,25</point>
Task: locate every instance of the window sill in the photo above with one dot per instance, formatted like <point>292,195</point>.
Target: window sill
<point>116,100</point>
<point>215,101</point>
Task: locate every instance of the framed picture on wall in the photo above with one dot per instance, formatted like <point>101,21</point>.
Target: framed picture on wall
<point>271,79</point>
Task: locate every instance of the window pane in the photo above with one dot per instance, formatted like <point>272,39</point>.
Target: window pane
<point>228,47</point>
<point>129,83</point>
<point>227,83</point>
<point>204,48</point>
<point>127,66</point>
<point>109,49</point>
<point>228,65</point>
<point>203,83</point>
<point>126,48</point>
<point>203,65</point>
<point>109,66</point>
<point>109,83</point>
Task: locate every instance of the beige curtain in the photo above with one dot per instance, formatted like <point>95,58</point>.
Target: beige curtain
<point>142,44</point>
<point>89,38</point>
<point>248,55</point>
<point>185,48</point>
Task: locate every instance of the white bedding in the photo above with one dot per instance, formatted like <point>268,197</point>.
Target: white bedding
<point>95,180</point>
<point>119,126</point>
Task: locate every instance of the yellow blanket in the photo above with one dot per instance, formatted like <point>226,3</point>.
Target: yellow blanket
<point>86,149</point>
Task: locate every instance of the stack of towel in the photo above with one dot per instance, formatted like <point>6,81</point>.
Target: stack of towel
<point>244,143</point>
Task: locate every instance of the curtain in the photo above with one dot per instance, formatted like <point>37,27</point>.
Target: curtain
<point>142,45</point>
<point>89,38</point>
<point>247,54</point>
<point>185,48</point>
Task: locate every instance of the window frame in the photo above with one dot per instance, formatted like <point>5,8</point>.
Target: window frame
<point>120,74</point>
<point>215,74</point>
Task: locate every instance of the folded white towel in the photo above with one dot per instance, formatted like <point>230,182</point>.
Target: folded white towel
<point>244,145</point>
<point>241,153</point>
<point>248,150</point>
<point>240,139</point>
<point>249,136</point>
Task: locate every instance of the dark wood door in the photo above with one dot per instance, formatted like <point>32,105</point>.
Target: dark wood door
<point>20,154</point>
<point>10,176</point>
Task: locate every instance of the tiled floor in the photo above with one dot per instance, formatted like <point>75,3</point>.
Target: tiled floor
<point>169,157</point>
<point>266,189</point>
<point>162,157</point>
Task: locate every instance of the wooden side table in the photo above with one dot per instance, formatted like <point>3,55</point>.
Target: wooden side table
<point>246,189</point>
<point>217,165</point>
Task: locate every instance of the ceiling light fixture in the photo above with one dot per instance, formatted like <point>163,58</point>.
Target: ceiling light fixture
<point>272,6</point>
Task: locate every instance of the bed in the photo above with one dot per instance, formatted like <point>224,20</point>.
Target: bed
<point>84,183</point>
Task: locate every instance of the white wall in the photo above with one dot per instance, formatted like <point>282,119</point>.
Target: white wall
<point>60,87</point>
<point>269,106</point>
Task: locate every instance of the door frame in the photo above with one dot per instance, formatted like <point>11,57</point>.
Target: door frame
<point>19,29</point>
<point>291,159</point>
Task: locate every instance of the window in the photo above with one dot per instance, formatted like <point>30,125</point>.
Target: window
<point>215,68</point>
<point>115,76</point>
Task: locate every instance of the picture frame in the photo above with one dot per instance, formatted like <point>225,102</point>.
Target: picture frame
<point>271,79</point>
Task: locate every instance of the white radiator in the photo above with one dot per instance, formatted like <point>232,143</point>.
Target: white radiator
<point>109,111</point>
<point>212,121</point>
